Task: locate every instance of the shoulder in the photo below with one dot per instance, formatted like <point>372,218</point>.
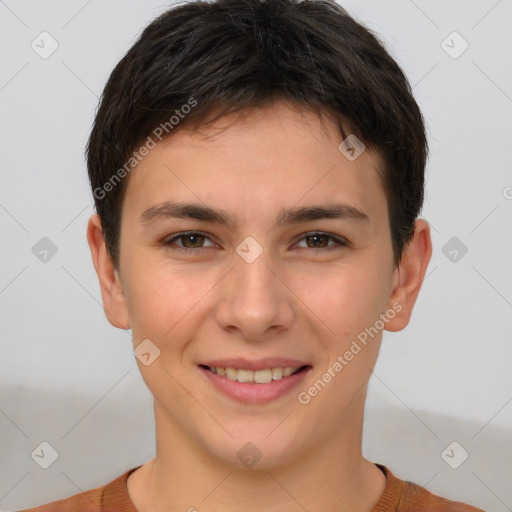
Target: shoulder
<point>411,497</point>
<point>418,499</point>
<point>112,496</point>
<point>88,501</point>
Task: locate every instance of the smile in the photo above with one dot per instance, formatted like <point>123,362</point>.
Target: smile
<point>259,376</point>
<point>254,386</point>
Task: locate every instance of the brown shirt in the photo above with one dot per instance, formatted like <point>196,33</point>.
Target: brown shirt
<point>398,496</point>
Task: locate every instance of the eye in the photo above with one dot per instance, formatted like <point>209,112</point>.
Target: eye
<point>321,240</point>
<point>190,238</point>
<point>192,241</point>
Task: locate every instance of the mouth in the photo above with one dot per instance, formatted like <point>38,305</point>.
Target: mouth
<point>264,376</point>
<point>254,383</point>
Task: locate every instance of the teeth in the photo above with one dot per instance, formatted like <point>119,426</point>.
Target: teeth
<point>263,376</point>
<point>231,373</point>
<point>277,373</point>
<point>287,371</point>
<point>259,376</point>
<point>245,375</point>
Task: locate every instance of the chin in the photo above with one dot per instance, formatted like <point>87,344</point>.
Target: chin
<point>254,449</point>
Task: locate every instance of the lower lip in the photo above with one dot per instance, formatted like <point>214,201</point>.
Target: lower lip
<point>253,393</point>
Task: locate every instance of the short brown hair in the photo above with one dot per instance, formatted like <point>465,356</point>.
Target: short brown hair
<point>227,55</point>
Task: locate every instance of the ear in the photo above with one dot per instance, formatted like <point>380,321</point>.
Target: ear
<point>409,276</point>
<point>112,293</point>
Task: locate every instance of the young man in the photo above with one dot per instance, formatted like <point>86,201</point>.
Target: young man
<point>258,172</point>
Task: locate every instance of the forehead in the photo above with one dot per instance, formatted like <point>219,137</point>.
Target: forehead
<point>256,161</point>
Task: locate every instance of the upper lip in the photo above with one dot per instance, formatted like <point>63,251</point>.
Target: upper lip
<point>240,363</point>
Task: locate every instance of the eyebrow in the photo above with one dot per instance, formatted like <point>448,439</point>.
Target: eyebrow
<point>203,213</point>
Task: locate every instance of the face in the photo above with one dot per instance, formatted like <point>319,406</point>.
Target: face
<point>257,277</point>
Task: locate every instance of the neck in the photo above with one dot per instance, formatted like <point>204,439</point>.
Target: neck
<point>186,476</point>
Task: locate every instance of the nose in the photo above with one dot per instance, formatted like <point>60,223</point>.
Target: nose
<point>255,300</point>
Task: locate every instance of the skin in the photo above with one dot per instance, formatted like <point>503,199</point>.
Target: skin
<point>297,299</point>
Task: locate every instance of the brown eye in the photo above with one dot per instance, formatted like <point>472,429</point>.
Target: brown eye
<point>193,241</point>
<point>321,241</point>
<point>317,240</point>
<point>190,241</point>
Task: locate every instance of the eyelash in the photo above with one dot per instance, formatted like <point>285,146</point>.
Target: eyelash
<point>339,241</point>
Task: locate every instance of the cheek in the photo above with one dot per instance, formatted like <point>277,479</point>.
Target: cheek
<point>155,299</point>
<point>350,306</point>
<point>160,310</point>
<point>345,299</point>
<point>167,304</point>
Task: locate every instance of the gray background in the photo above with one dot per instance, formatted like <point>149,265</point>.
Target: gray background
<point>69,378</point>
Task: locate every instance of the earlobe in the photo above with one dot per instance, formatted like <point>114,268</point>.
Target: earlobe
<point>112,292</point>
<point>409,276</point>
